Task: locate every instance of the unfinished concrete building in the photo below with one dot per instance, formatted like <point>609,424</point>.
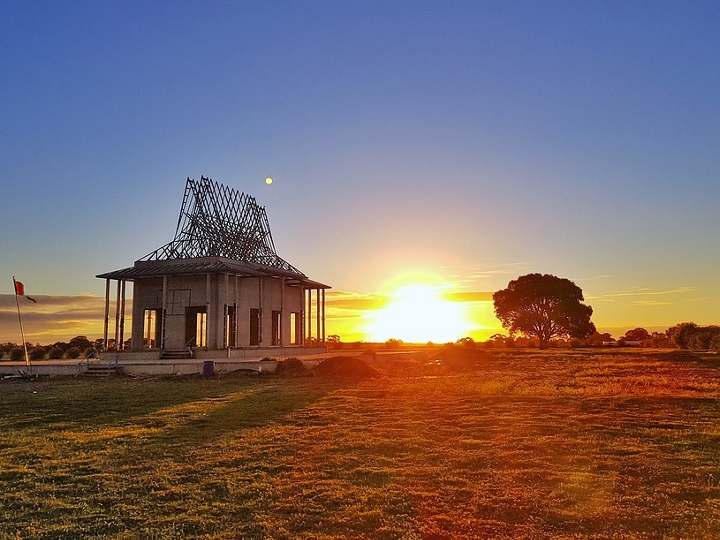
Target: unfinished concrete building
<point>218,285</point>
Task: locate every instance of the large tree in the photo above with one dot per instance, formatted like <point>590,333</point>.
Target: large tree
<point>544,306</point>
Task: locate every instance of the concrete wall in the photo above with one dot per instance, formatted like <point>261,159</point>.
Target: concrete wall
<point>136,367</point>
<point>258,352</point>
<point>12,369</point>
<point>193,367</point>
<point>253,353</point>
<point>217,294</point>
<point>148,362</point>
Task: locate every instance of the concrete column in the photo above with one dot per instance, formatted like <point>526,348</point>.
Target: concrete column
<point>317,314</point>
<point>261,293</point>
<point>301,337</point>
<point>107,314</point>
<point>210,337</point>
<point>122,316</point>
<point>323,316</point>
<point>309,313</point>
<point>117,317</point>
<point>282,311</point>
<point>164,312</point>
<point>237,315</point>
<point>225,323</point>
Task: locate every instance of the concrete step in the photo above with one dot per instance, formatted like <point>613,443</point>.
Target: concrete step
<point>176,355</point>
<point>102,370</point>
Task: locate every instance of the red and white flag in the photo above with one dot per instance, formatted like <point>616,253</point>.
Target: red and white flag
<point>20,290</point>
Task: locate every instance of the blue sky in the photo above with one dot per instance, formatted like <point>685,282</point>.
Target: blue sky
<point>468,141</point>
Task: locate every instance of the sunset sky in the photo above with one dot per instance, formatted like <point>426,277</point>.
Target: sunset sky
<point>424,153</point>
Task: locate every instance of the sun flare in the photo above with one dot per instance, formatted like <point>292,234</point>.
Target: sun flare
<point>418,314</point>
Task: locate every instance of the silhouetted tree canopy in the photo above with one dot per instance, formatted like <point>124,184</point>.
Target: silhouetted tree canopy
<point>544,306</point>
<point>81,342</point>
<point>636,334</point>
<point>37,353</point>
<point>688,335</point>
<point>680,334</point>
<point>596,338</point>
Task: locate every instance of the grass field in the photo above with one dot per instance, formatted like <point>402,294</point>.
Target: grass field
<point>511,444</point>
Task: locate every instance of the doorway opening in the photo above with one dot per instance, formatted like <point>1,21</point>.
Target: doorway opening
<point>196,326</point>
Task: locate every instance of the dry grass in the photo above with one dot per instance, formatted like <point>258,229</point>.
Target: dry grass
<point>567,445</point>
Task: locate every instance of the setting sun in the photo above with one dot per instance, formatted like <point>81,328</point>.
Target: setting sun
<point>418,313</point>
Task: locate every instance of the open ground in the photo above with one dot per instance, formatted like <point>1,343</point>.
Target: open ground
<point>459,444</point>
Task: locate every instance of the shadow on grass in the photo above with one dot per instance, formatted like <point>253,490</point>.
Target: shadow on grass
<point>202,404</point>
<point>212,419</point>
<point>127,446</point>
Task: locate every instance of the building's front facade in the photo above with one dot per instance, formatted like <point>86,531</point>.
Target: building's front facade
<point>217,285</point>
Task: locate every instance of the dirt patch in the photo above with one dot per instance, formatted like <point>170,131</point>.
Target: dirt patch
<point>345,366</point>
<point>291,367</point>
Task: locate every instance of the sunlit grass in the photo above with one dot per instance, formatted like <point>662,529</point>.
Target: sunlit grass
<point>551,445</point>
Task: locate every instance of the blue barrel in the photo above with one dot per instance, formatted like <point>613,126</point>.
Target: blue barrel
<point>209,368</point>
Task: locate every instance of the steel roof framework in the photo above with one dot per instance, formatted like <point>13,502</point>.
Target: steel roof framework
<point>218,221</point>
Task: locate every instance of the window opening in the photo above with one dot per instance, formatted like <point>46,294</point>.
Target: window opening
<point>276,322</point>
<point>254,326</point>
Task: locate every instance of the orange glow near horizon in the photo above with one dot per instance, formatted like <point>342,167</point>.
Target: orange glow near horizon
<point>418,314</point>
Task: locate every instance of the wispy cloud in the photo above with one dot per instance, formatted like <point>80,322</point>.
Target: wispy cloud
<point>53,318</point>
<point>50,302</point>
<point>468,296</point>
<point>472,273</point>
<point>338,302</point>
<point>642,292</point>
<point>594,278</point>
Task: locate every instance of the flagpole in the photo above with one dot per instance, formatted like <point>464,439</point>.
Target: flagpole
<point>22,332</point>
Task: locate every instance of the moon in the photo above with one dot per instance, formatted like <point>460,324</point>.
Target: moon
<point>268,180</point>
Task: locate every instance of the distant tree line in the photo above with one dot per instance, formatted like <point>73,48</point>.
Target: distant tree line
<point>545,310</point>
<point>687,335</point>
<point>77,347</point>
